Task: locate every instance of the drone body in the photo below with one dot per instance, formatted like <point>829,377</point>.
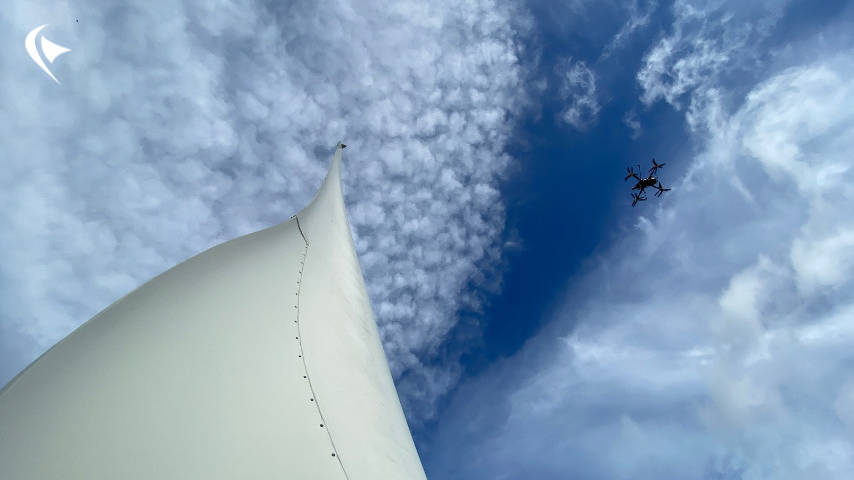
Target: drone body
<point>651,181</point>
<point>643,183</point>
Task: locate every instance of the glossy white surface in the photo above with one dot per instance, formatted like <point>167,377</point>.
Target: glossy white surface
<point>197,374</point>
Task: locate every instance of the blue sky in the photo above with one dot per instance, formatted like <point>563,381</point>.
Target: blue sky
<point>536,324</point>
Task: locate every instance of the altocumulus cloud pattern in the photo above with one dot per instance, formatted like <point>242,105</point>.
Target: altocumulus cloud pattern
<point>180,125</point>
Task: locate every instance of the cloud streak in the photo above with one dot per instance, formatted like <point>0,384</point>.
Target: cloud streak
<point>577,91</point>
<point>637,20</point>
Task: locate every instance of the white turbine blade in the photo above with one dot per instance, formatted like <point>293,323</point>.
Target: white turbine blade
<point>259,358</point>
<point>52,50</point>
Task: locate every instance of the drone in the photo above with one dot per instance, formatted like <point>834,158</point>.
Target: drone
<point>651,181</point>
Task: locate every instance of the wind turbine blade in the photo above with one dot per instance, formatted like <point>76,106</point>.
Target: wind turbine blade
<point>259,356</point>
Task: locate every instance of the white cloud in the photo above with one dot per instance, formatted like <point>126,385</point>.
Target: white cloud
<point>825,262</point>
<point>181,125</point>
<point>630,119</point>
<point>637,20</point>
<point>742,302</point>
<point>844,404</point>
<point>796,111</point>
<point>709,39</point>
<point>578,91</point>
<point>721,349</point>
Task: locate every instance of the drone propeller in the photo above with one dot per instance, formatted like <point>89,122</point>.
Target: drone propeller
<point>631,174</point>
<point>637,198</point>
<point>655,167</point>
<point>661,190</point>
